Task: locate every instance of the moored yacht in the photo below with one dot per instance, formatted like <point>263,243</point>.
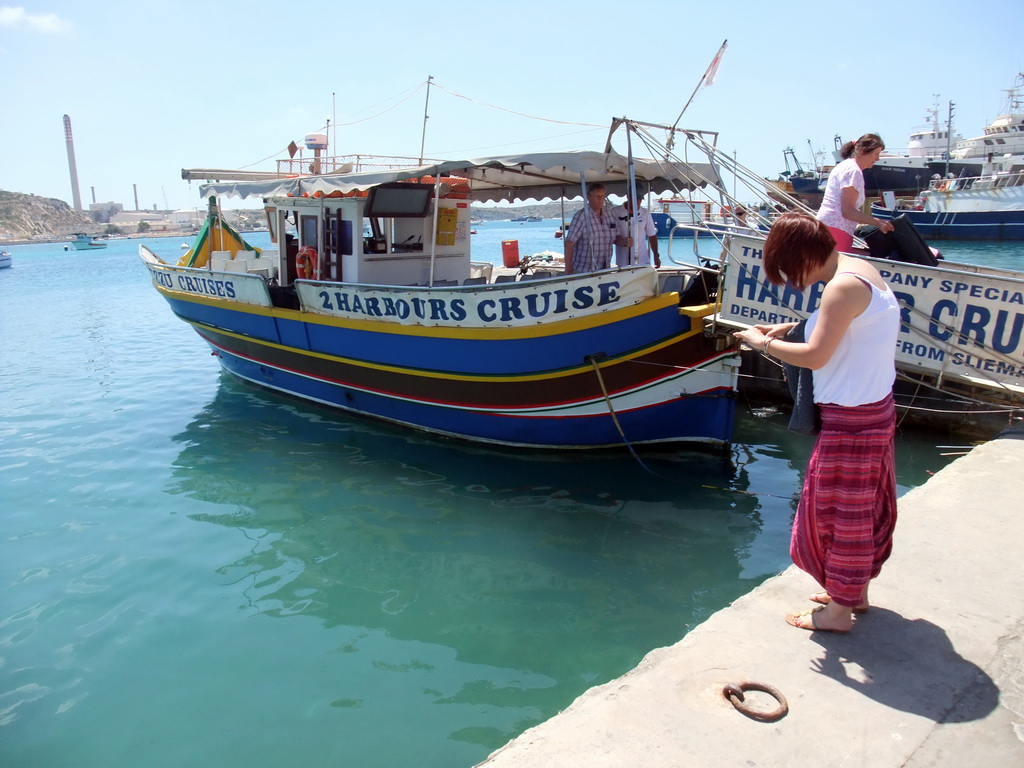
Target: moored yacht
<point>1003,136</point>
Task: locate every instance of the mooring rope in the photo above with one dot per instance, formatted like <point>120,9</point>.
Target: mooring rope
<point>592,359</point>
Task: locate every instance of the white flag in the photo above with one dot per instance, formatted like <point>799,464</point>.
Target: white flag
<point>712,73</point>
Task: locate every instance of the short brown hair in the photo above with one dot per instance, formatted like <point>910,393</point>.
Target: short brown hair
<point>797,245</point>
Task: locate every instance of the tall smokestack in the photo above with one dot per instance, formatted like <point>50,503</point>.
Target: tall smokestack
<point>71,163</point>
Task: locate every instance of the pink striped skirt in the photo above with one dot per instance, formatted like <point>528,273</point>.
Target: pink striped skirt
<point>844,522</point>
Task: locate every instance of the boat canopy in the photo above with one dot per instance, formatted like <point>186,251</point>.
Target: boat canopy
<point>534,176</point>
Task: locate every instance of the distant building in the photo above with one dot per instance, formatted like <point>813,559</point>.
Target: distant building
<point>103,212</point>
<point>157,220</point>
<point>187,218</point>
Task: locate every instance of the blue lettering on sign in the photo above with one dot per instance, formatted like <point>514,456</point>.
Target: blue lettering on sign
<point>501,309</point>
<point>222,289</point>
<point>927,351</point>
<point>751,287</point>
<point>906,301</point>
<point>911,281</point>
<point>759,316</point>
<point>1001,342</point>
<point>752,253</point>
<point>975,291</point>
<point>162,278</point>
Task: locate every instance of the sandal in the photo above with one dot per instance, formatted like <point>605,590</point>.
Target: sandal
<point>824,599</point>
<point>805,620</point>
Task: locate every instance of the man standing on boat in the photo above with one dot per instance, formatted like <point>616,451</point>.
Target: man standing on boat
<point>591,233</point>
<point>627,254</point>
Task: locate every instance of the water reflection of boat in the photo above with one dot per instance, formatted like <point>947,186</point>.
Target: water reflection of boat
<point>538,565</point>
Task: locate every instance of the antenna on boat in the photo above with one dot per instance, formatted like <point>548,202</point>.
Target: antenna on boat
<point>708,79</point>
<point>426,103</point>
<point>949,133</point>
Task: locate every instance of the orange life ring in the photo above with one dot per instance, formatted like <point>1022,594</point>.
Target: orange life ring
<point>306,262</point>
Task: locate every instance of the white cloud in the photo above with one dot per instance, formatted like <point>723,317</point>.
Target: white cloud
<point>48,23</point>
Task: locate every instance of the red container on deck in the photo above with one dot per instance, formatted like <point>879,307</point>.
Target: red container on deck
<point>510,253</point>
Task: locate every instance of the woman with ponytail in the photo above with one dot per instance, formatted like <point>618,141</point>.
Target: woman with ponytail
<point>840,209</point>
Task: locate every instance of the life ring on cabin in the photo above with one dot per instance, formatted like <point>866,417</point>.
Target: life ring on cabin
<point>306,262</point>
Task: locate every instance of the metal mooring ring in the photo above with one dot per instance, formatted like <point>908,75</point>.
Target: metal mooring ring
<point>734,693</point>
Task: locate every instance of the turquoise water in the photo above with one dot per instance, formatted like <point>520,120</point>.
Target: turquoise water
<point>196,572</point>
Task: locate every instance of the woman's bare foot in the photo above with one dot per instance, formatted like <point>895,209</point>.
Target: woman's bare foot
<point>824,599</point>
<point>826,618</point>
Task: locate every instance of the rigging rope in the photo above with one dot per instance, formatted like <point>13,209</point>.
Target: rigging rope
<point>513,112</point>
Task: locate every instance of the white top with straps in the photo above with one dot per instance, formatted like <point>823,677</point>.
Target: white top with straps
<point>846,174</point>
<point>862,369</point>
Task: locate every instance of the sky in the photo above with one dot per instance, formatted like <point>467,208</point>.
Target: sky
<point>152,88</point>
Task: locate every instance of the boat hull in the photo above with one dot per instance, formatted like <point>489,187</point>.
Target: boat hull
<point>639,371</point>
<point>963,225</point>
<point>560,425</point>
<point>902,176</point>
<point>667,227</point>
<point>975,208</point>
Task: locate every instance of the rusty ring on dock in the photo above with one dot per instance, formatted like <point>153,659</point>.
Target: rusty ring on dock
<point>734,692</point>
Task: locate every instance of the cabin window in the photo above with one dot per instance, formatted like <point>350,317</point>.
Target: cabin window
<point>399,200</point>
<point>309,231</point>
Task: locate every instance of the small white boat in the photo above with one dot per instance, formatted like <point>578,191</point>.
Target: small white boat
<point>5,259</point>
<point>84,242</point>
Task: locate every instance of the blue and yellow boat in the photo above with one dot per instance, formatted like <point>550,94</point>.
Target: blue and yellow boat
<point>371,303</point>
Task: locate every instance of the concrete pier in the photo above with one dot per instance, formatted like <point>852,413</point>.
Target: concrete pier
<point>931,675</point>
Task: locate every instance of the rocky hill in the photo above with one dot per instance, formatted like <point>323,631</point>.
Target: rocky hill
<point>28,217</point>
<point>544,210</point>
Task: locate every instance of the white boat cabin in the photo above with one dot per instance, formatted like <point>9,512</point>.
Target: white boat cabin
<point>392,235</point>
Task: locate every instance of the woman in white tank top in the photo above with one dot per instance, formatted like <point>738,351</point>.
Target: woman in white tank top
<point>844,524</point>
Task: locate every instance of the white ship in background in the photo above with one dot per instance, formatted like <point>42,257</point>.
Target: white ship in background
<point>1003,136</point>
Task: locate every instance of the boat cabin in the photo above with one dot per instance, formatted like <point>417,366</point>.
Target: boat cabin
<point>390,235</point>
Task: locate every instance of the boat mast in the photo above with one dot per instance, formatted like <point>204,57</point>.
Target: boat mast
<point>426,103</point>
